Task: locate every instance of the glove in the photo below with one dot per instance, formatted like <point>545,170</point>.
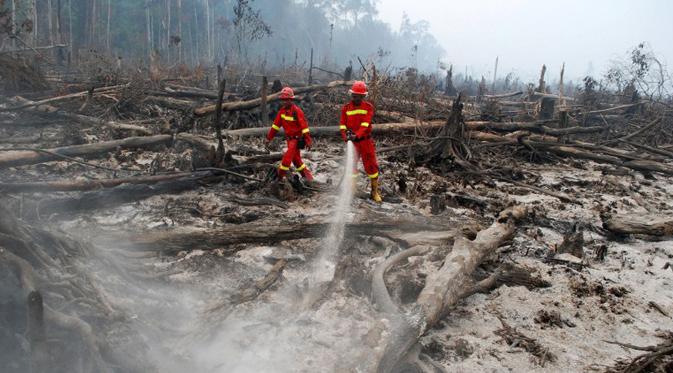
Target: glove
<point>308,142</point>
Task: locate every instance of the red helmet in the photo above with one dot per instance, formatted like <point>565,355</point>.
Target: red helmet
<point>358,88</point>
<point>286,93</point>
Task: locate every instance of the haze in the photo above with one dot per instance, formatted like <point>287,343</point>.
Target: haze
<point>587,35</point>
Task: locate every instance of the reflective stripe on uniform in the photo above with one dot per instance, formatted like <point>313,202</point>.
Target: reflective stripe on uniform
<point>364,124</point>
<point>284,168</point>
<point>357,111</point>
<point>288,118</point>
<point>304,131</point>
<point>342,127</point>
<point>301,168</point>
<point>373,176</point>
<point>275,127</point>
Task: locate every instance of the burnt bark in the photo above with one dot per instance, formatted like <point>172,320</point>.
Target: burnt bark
<point>13,158</point>
<point>443,288</point>
<point>251,104</point>
<point>639,224</point>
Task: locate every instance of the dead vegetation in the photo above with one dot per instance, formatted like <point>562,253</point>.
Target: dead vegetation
<point>482,195</point>
<point>657,358</point>
<point>515,339</point>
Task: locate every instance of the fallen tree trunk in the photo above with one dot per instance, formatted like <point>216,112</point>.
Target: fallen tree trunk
<point>549,144</point>
<point>651,149</point>
<point>636,164</point>
<point>255,233</point>
<point>615,108</point>
<point>334,130</point>
<point>136,190</point>
<point>200,142</point>
<point>620,153</point>
<point>251,104</point>
<point>85,185</point>
<point>504,95</point>
<point>112,197</point>
<point>383,116</point>
<point>13,158</point>
<point>191,92</point>
<point>387,128</point>
<point>537,127</point>
<point>171,103</point>
<point>512,138</point>
<point>516,104</point>
<point>636,133</point>
<point>539,95</point>
<point>445,287</point>
<point>28,104</point>
<point>79,118</point>
<point>637,224</point>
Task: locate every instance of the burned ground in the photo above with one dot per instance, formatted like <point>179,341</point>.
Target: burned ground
<point>168,254</point>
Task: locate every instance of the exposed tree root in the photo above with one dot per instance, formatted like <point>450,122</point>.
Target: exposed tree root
<point>260,286</point>
<point>515,339</point>
<point>379,289</point>
<point>507,274</point>
<point>60,298</point>
<point>658,358</point>
<point>26,274</point>
<point>443,288</point>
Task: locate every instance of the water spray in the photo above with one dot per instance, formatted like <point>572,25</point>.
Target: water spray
<point>323,268</point>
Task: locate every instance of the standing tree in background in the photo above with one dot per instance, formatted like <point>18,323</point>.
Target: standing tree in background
<point>148,21</point>
<point>178,39</point>
<point>167,24</point>
<point>107,28</point>
<point>248,26</point>
<point>358,9</point>
<point>213,29</point>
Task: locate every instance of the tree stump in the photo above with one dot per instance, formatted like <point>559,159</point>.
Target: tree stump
<point>437,204</point>
<point>547,105</point>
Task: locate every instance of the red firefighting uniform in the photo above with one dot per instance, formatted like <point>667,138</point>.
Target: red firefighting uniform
<point>292,120</point>
<point>357,119</point>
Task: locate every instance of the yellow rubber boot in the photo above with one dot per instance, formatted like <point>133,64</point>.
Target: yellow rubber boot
<point>376,196</point>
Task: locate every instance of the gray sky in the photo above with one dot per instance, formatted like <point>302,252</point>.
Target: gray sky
<point>527,33</point>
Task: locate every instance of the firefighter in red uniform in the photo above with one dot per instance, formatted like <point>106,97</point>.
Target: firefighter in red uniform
<point>291,118</point>
<point>355,125</point>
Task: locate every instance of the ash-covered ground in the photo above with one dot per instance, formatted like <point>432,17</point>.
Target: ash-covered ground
<point>195,309</point>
